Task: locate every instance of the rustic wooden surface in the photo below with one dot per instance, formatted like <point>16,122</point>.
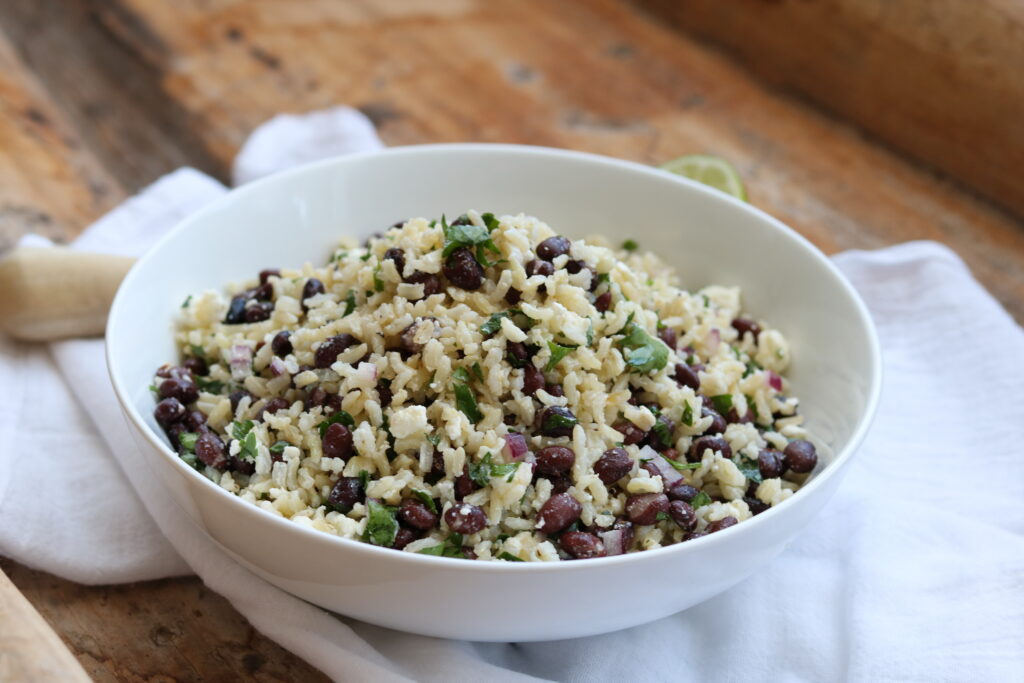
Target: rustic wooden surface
<point>98,98</point>
<point>938,79</point>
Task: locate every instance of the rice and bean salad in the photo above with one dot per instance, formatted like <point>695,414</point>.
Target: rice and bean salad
<point>486,388</point>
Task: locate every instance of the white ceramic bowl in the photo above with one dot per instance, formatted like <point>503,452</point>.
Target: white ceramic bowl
<point>298,216</point>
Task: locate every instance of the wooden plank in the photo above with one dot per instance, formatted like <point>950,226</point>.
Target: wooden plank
<point>597,75</point>
<point>166,630</point>
<point>938,79</point>
<point>29,650</point>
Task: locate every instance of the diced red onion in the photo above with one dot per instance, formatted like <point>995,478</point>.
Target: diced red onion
<point>714,339</point>
<point>277,367</point>
<point>668,473</point>
<point>366,373</point>
<point>774,381</point>
<point>515,448</point>
<point>613,542</point>
<point>240,361</point>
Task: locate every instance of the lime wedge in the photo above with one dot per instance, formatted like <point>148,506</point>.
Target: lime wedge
<point>710,170</point>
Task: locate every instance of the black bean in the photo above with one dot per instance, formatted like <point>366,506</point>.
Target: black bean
<point>236,310</point>
<point>196,366</point>
<point>668,335</point>
<point>554,390</point>
<point>281,344</point>
<point>258,312</point>
<point>574,267</point>
<point>755,505</point>
<point>552,247</point>
<point>464,484</point>
<point>431,282</point>
<point>682,491</point>
<point>701,444</point>
<point>236,397</point>
<point>312,288</point>
<point>398,257</point>
<point>462,269</point>
<point>770,463</point>
<point>181,389</point>
<point>347,491</point>
<point>210,449</point>
<point>643,509</point>
<point>626,527</point>
<point>513,296</point>
<point>516,354</point>
<point>408,342</point>
<point>613,465</point>
<point>581,545</point>
<point>384,394</point>
<point>733,416</point>
<point>195,421</point>
<point>173,433</point>
<point>718,423</point>
<point>416,514</point>
<point>316,397</point>
<point>556,421</point>
<point>175,371</point>
<point>327,353</point>
<point>265,275</point>
<point>631,434</point>
<point>744,325</point>
<point>667,428</point>
<point>538,267</point>
<point>558,513</point>
<point>683,515</point>
<point>337,441</point>
<point>241,465</point>
<point>533,379</point>
<point>168,411</point>
<point>651,468</point>
<point>403,537</point>
<point>687,377</point>
<point>554,460</point>
<point>273,405</point>
<point>264,292</point>
<point>603,302</point>
<point>694,535</point>
<point>800,456</point>
<point>464,518</point>
<point>720,524</point>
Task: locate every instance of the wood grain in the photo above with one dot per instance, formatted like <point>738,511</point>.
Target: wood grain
<point>100,97</point>
<point>937,79</point>
<point>29,650</point>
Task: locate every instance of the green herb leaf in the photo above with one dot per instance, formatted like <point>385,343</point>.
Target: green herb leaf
<point>437,550</point>
<point>340,416</point>
<point>461,375</point>
<point>350,303</point>
<point>466,401</point>
<point>154,388</point>
<point>434,439</point>
<point>381,524</point>
<point>365,257</point>
<point>751,472</point>
<point>663,517</point>
<point>192,461</point>
<point>378,284</point>
<point>188,441</point>
<point>643,353</point>
<point>478,371</point>
<point>687,414</point>
<point>630,245</point>
<point>249,450</point>
<point>239,430</point>
<point>197,351</point>
<point>590,333</point>
<point>554,421</point>
<point>209,385</point>
<point>456,236</point>
<point>722,403</point>
<point>452,547</point>
<point>662,431</point>
<point>481,472</point>
<point>509,557</point>
<point>278,447</point>
<point>364,478</point>
<point>700,500</point>
<point>493,323</point>
<point>187,301</point>
<point>682,466</point>
<point>490,221</point>
<point>558,352</point>
<point>424,496</point>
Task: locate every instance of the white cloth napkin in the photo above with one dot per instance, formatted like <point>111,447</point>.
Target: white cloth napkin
<point>915,571</point>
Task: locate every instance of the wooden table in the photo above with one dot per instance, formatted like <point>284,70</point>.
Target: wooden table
<point>98,98</point>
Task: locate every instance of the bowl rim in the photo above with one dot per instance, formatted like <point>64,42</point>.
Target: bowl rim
<point>315,536</point>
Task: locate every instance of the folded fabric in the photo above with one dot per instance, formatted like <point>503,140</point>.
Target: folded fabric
<point>914,571</point>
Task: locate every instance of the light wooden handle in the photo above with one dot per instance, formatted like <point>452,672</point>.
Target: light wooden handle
<point>29,649</point>
<point>55,293</point>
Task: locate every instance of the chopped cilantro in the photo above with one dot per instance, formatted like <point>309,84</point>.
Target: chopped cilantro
<point>278,447</point>
<point>604,277</point>
<point>381,524</point>
<point>662,431</point>
<point>663,517</point>
<point>154,388</point>
<point>192,461</point>
<point>722,403</point>
<point>187,301</point>
<point>246,437</point>
<point>466,401</point>
<point>478,371</point>
<point>700,500</point>
<point>590,333</point>
<point>461,375</point>
<point>630,245</point>
<point>378,284</point>
<point>451,547</point>
<point>340,416</point>
<point>682,466</point>
<point>481,472</point>
<point>509,557</point>
<point>350,303</point>
<point>456,236</point>
<point>434,438</point>
<point>365,257</point>
<point>643,352</point>
<point>490,221</point>
<point>687,414</point>
<point>364,478</point>
<point>197,351</point>
<point>188,440</point>
<point>209,385</point>
<point>239,430</point>
<point>427,500</point>
<point>555,421</point>
<point>558,352</point>
<point>751,472</point>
